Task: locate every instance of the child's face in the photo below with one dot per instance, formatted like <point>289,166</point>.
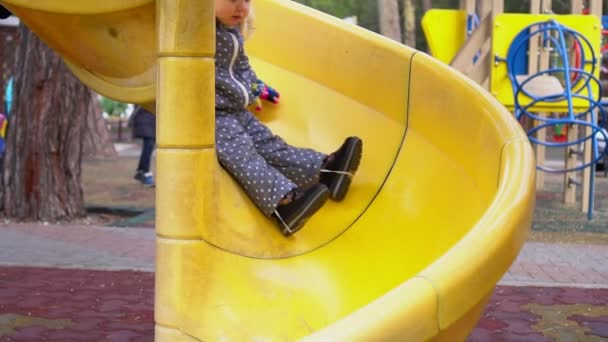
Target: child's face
<point>231,12</point>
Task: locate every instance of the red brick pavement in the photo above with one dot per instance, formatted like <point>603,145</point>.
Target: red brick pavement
<point>38,304</point>
<point>42,304</point>
<point>529,314</point>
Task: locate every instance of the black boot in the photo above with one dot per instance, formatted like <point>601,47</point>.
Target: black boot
<point>340,167</point>
<point>293,215</point>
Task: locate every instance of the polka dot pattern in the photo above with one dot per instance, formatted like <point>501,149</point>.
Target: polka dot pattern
<point>263,163</point>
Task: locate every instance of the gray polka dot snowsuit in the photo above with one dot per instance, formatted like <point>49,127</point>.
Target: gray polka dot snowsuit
<point>263,163</point>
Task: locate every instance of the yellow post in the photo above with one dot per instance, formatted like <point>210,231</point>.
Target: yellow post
<point>497,7</point>
<point>186,162</point>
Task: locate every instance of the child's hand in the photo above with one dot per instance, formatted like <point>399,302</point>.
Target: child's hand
<point>264,92</point>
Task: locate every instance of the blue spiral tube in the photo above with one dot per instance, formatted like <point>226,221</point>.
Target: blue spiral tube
<point>577,82</point>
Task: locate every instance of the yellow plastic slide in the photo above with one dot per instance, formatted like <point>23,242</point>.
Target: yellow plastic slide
<point>436,214</point>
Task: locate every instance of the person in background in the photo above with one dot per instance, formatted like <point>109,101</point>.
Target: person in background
<point>143,124</point>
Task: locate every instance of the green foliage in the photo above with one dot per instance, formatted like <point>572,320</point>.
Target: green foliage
<point>366,11</point>
<point>113,108</point>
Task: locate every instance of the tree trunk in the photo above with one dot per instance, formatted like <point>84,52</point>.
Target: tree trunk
<point>44,146</point>
<point>409,23</point>
<point>427,5</point>
<point>388,10</point>
<point>97,141</point>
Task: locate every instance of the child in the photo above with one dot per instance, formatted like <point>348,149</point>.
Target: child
<point>287,183</point>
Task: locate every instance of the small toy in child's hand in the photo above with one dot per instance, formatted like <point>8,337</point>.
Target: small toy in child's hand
<point>264,92</point>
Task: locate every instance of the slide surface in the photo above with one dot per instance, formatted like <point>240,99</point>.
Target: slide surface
<point>436,214</point>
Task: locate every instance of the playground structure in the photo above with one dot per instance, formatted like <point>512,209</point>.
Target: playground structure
<point>413,253</point>
<point>541,66</point>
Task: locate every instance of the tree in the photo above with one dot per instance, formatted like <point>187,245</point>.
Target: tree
<point>409,23</point>
<point>427,5</point>
<point>97,140</point>
<point>388,11</point>
<point>42,173</point>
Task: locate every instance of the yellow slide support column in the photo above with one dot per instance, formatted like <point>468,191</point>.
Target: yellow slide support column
<point>186,163</point>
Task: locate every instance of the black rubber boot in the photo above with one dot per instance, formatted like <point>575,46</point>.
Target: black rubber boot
<point>292,216</point>
<point>337,172</point>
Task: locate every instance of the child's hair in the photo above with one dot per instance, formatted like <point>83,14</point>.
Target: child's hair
<point>247,27</point>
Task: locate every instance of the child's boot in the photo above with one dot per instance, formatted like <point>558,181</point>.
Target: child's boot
<point>340,167</point>
<point>293,215</point>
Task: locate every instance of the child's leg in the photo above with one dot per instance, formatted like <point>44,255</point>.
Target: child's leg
<point>264,184</point>
<point>300,165</point>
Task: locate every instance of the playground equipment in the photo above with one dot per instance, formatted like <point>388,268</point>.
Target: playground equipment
<point>430,224</point>
<point>544,68</point>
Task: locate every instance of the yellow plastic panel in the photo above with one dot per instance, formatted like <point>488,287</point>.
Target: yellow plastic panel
<point>129,31</point>
<point>77,7</point>
<point>173,335</point>
<point>82,31</point>
<point>497,236</point>
<point>444,116</point>
<point>199,129</point>
<point>224,296</point>
<point>506,28</point>
<point>168,298</point>
<point>200,21</point>
<point>460,330</point>
<point>143,93</point>
<point>244,230</point>
<point>371,323</point>
<point>445,32</point>
<point>188,175</point>
<point>363,66</point>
